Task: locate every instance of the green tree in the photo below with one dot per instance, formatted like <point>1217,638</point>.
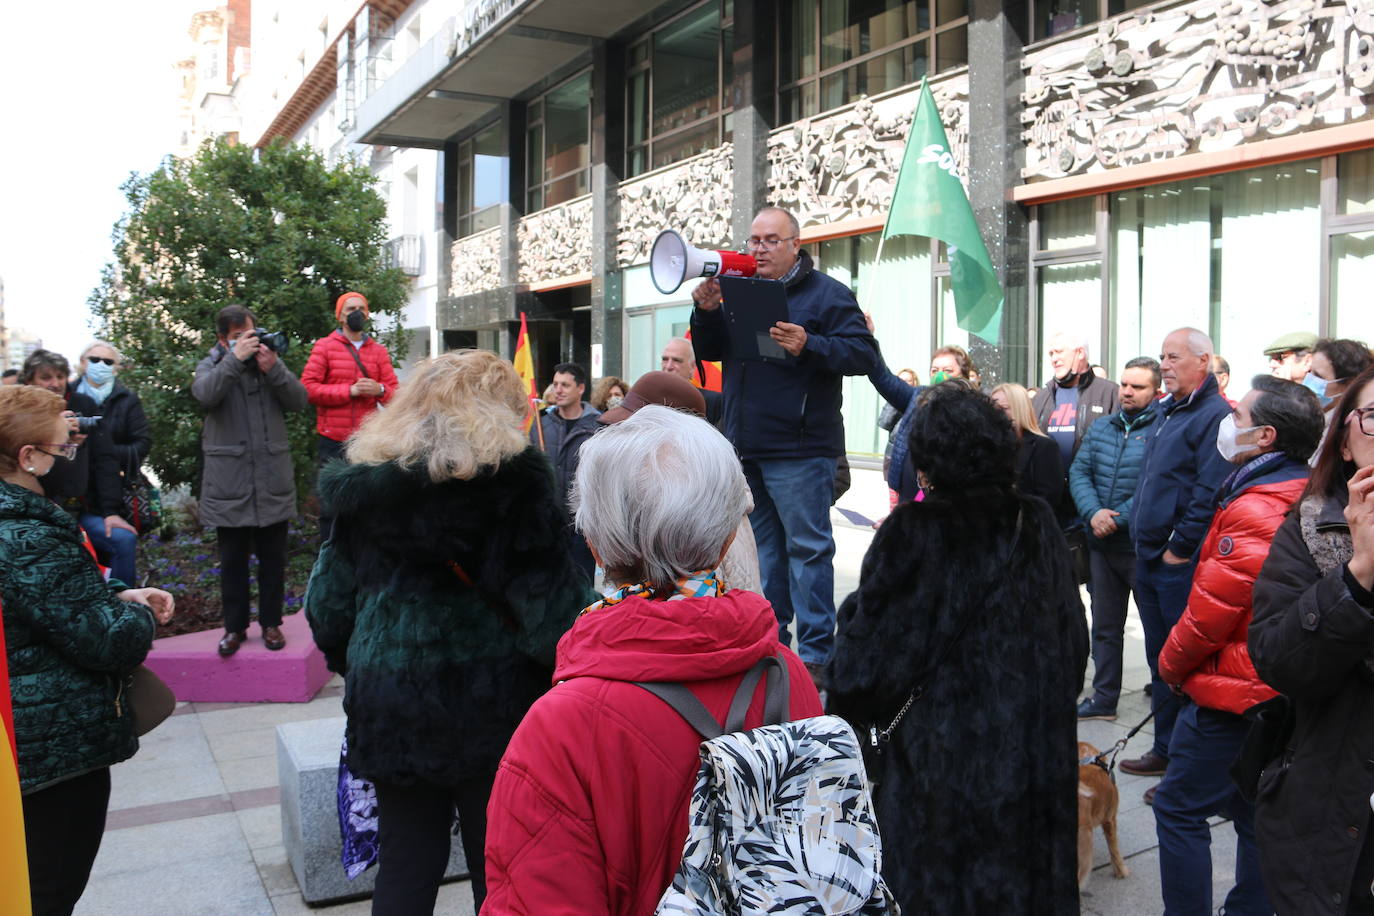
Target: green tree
<point>278,230</point>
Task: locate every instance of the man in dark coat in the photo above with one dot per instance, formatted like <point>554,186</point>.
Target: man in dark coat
<point>1174,500</point>
<point>1068,405</point>
<point>248,492</point>
<point>562,429</point>
<point>783,418</point>
<point>965,646</point>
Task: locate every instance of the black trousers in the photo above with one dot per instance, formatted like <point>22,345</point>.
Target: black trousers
<point>413,824</point>
<point>235,546</point>
<point>329,450</point>
<point>63,825</point>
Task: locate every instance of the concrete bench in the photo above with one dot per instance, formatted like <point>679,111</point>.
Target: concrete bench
<point>308,773</point>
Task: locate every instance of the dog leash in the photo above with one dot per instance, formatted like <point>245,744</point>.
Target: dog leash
<point>1115,750</point>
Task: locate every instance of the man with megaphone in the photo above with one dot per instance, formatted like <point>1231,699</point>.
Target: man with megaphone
<point>783,416</point>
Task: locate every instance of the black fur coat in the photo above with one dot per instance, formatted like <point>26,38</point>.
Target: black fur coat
<point>441,664</point>
<point>977,801</point>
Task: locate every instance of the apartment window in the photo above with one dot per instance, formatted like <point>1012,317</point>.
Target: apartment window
<point>677,88</point>
<point>558,144</point>
<point>1055,17</point>
<point>209,61</point>
<point>830,52</point>
<point>483,176</point>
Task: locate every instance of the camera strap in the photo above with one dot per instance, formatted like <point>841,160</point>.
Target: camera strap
<point>353,352</point>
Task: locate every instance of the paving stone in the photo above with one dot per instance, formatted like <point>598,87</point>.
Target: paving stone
<point>222,885</point>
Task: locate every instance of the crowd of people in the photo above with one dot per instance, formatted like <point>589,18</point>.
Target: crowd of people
<point>508,592</point>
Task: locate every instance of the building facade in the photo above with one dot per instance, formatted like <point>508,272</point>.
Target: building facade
<point>212,75</point>
<point>1134,166</point>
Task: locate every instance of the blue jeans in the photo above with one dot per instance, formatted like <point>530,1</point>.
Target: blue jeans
<point>118,551</point>
<point>1198,785</point>
<point>791,522</point>
<point>1161,594</point>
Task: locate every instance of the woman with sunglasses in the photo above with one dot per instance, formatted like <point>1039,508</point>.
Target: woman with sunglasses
<point>1312,639</point>
<point>71,641</point>
<point>124,426</point>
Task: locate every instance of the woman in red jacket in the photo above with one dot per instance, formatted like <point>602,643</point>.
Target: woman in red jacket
<point>347,377</point>
<point>1269,436</point>
<point>589,812</point>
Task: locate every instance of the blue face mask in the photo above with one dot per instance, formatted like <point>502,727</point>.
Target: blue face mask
<point>99,374</point>
<point>1317,385</point>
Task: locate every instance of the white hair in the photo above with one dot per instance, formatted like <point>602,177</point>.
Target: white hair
<point>1072,341</point>
<point>691,350</point>
<point>658,495</point>
<point>1199,344</point>
<point>119,357</point>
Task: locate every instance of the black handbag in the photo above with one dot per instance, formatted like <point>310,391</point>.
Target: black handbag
<point>1266,745</point>
<point>142,503</point>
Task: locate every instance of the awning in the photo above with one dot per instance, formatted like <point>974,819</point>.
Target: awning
<point>495,52</point>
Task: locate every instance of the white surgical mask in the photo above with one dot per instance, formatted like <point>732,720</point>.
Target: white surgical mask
<point>1228,433</point>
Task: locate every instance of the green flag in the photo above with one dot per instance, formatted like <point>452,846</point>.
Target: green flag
<point>929,200</point>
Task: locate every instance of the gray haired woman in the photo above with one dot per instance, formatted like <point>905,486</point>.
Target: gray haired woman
<point>604,768</point>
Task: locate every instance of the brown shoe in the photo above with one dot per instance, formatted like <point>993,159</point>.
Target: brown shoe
<point>273,639</point>
<point>1151,764</point>
<point>1150,794</point>
<point>230,643</point>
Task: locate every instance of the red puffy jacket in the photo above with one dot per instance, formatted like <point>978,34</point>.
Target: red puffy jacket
<point>1206,651</point>
<point>589,813</point>
<point>331,371</point>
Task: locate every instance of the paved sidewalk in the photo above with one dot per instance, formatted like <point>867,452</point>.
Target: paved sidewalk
<point>195,824</point>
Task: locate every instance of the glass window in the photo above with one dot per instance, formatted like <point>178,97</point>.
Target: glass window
<point>483,180</point>
<point>1352,277</point>
<point>1070,297</point>
<point>1355,182</point>
<point>678,89</point>
<point>558,143</point>
<point>1055,17</point>
<point>862,47</point>
<point>650,330</point>
<point>1068,224</point>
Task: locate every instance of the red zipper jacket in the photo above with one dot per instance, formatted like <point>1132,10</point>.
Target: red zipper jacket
<point>331,371</point>
<point>590,808</point>
<point>1206,651</point>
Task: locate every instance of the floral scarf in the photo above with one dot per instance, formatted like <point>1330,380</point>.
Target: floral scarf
<point>704,583</point>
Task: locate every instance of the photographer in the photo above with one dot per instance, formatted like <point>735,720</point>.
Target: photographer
<point>248,491</point>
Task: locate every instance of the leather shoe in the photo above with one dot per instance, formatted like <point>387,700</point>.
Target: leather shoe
<point>230,643</point>
<point>1150,794</point>
<point>1151,764</point>
<point>273,639</point>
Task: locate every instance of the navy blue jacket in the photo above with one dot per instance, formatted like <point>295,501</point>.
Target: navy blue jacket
<point>792,410</point>
<point>1106,470</point>
<point>1180,474</point>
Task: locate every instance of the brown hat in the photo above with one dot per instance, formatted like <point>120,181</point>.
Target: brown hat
<point>664,388</point>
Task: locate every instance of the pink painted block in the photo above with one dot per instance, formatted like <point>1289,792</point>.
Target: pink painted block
<point>194,670</point>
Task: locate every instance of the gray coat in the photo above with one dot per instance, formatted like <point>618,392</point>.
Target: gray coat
<point>248,479</point>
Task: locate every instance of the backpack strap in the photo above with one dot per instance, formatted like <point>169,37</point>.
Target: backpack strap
<point>686,704</point>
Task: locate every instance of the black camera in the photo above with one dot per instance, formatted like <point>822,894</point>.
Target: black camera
<point>275,341</point>
<point>86,425</point>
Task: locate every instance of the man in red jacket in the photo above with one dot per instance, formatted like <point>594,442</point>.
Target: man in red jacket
<point>1269,437</point>
<point>348,376</point>
<point>589,813</point>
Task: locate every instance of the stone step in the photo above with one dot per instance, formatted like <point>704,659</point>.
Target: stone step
<point>196,672</point>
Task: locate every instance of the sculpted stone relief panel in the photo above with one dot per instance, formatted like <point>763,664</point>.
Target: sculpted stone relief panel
<point>694,197</point>
<point>475,263</point>
<point>844,165</point>
<point>556,242</point>
<point>1196,77</point>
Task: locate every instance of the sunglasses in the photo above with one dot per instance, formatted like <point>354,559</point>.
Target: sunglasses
<point>107,360</point>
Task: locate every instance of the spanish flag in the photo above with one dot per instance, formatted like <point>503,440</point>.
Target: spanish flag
<point>14,866</point>
<point>524,367</point>
<point>706,374</point>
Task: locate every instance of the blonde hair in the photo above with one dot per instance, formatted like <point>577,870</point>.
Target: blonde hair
<point>458,414</point>
<point>1019,400</point>
<point>26,418</point>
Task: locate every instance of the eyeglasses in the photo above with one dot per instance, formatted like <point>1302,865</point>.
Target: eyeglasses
<point>107,360</point>
<point>767,244</point>
<point>68,449</point>
<point>1363,417</point>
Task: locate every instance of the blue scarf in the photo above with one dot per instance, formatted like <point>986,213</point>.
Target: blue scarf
<point>95,394</point>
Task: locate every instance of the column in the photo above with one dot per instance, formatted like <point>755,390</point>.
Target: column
<point>752,97</point>
<point>608,164</point>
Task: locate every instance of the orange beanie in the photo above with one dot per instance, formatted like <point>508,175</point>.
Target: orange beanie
<point>339,303</point>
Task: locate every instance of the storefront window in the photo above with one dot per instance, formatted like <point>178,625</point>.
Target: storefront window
<point>558,147</point>
<point>1352,277</point>
<point>830,52</point>
<point>1068,224</point>
<point>676,98</point>
<point>1070,297</point>
<point>1055,17</point>
<point>1355,182</point>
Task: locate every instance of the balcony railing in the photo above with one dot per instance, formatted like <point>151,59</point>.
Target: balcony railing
<point>403,253</point>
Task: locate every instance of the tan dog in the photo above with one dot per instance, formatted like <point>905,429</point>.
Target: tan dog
<point>1097,801</point>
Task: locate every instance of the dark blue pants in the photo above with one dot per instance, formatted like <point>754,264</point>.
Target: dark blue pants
<point>1197,786</point>
<point>118,550</point>
<point>1161,594</point>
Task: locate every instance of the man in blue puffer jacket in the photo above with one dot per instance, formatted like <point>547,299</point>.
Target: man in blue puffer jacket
<point>1102,480</point>
<point>784,420</point>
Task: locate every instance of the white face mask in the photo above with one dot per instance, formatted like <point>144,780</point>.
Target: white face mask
<point>1227,434</point>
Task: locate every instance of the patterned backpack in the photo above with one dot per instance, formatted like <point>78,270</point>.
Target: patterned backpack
<point>781,819</point>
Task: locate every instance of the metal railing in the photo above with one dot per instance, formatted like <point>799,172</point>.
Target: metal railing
<point>404,253</point>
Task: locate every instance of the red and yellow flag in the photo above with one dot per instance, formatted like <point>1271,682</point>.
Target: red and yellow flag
<point>524,367</point>
<point>706,374</point>
<point>14,866</point>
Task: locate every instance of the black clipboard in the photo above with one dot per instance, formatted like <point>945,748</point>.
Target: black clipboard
<point>751,306</point>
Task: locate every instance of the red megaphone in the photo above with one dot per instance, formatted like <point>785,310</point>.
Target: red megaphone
<point>672,262</point>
